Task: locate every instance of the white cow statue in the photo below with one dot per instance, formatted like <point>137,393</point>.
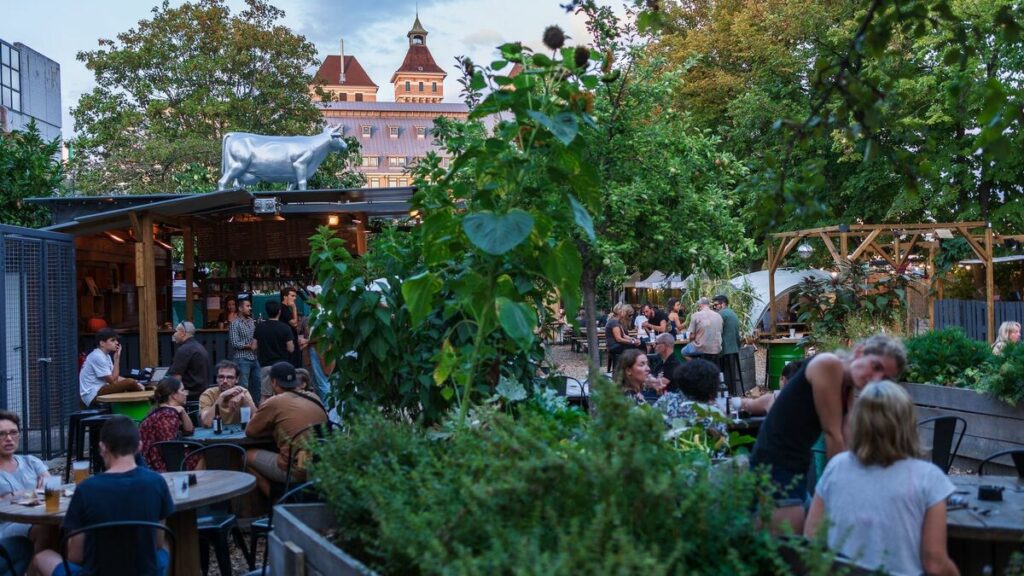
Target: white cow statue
<point>250,158</point>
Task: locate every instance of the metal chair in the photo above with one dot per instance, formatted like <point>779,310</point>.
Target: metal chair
<point>1017,454</point>
<point>123,537</point>
<point>321,431</point>
<point>76,436</point>
<point>260,528</point>
<point>174,452</point>
<point>943,431</point>
<point>16,552</point>
<point>214,523</point>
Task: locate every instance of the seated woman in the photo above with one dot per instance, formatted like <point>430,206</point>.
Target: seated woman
<point>1009,333</point>
<point>616,334</point>
<point>886,508</point>
<point>20,473</point>
<point>762,404</point>
<point>632,374</point>
<point>697,382</point>
<point>167,421</point>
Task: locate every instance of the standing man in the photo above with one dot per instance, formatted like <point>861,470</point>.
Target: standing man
<point>240,335</point>
<point>191,363</point>
<point>102,375</point>
<point>731,344</point>
<point>290,316</point>
<point>706,331</point>
<point>281,417</point>
<point>274,343</point>
<point>226,398</point>
<point>124,492</point>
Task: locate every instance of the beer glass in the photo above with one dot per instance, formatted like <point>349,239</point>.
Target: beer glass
<point>51,491</point>
<point>81,469</point>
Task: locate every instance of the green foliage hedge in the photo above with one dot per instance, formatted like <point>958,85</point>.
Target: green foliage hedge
<point>544,492</point>
<point>948,357</point>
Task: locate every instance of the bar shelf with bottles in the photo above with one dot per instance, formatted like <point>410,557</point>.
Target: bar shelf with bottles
<point>261,279</point>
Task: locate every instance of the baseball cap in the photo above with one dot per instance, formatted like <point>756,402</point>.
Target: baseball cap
<point>284,374</point>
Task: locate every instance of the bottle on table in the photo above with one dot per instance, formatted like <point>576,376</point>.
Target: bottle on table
<point>218,425</point>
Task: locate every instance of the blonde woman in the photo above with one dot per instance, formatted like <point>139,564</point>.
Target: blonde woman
<point>886,508</point>
<point>1008,332</point>
<point>616,336</point>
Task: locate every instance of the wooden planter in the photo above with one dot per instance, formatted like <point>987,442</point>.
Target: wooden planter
<point>296,540</point>
<point>992,425</point>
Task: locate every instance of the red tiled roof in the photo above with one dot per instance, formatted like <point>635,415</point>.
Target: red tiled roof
<point>329,72</point>
<point>418,59</point>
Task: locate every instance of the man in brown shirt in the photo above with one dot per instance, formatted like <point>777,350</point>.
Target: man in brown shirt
<point>227,398</point>
<point>281,417</point>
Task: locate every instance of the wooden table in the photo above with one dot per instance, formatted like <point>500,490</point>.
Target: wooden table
<point>213,486</point>
<point>135,405</point>
<point>232,434</point>
<point>986,533</point>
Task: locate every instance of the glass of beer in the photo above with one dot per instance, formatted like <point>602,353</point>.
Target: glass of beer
<point>81,469</point>
<point>52,490</point>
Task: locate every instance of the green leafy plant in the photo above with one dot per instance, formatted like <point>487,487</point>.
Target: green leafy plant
<point>1005,375</point>
<point>946,357</point>
<point>29,167</point>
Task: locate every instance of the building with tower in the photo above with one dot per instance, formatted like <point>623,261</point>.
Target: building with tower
<point>393,135</point>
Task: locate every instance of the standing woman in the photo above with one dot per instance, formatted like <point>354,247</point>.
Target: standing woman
<point>1009,332</point>
<point>815,401</point>
<point>886,508</point>
<point>230,312</point>
<point>167,421</point>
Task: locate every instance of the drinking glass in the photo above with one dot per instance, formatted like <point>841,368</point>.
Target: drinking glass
<point>51,491</point>
<point>81,469</point>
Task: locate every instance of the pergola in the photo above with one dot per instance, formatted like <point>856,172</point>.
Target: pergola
<point>895,243</point>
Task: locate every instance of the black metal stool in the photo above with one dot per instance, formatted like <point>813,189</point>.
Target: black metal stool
<point>76,437</point>
<point>92,425</point>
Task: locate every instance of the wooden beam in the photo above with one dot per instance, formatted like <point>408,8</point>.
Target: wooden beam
<point>938,286</point>
<point>844,246</point>
<point>979,250</point>
<point>771,288</point>
<point>785,248</point>
<point>361,235</point>
<point>881,252</point>
<point>145,281</point>
<point>990,286</point>
<point>136,226</point>
<point>831,247</point>
<point>910,248</point>
<point>188,247</point>
<point>865,244</point>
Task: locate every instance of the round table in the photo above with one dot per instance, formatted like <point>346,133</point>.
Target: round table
<point>135,405</point>
<point>985,533</point>
<point>213,486</point>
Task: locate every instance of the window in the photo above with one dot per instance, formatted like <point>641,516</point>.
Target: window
<point>10,78</point>
<point>433,86</point>
<point>343,97</point>
<point>393,182</point>
<point>374,182</point>
<point>421,132</point>
<point>408,86</point>
<point>396,161</point>
<point>359,96</point>
<point>393,131</point>
<point>365,131</point>
<point>421,86</point>
<point>371,161</point>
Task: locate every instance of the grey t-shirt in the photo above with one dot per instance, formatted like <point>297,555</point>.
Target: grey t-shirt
<point>98,365</point>
<point>29,470</point>
<point>877,514</point>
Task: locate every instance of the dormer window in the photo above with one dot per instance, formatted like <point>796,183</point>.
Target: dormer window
<point>371,161</point>
<point>393,131</point>
<point>421,132</point>
<point>396,161</point>
<point>365,131</point>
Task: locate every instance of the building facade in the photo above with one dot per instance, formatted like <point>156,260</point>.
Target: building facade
<point>29,90</point>
<point>393,135</point>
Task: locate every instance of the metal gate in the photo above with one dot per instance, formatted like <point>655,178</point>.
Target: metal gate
<point>39,367</point>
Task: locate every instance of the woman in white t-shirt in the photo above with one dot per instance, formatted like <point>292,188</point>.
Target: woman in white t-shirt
<point>886,509</point>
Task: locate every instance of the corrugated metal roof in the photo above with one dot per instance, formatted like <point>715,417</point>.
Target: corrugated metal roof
<point>442,107</point>
<point>380,144</point>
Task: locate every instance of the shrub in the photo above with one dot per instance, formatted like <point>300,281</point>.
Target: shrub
<point>1005,377</point>
<point>543,494</point>
<point>946,357</point>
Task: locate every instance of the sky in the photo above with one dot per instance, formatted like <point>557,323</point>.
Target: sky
<point>374,32</point>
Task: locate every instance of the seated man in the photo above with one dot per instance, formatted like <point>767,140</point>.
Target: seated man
<point>226,398</point>
<point>281,417</point>
<point>102,375</point>
<point>665,348</point>
<point>124,492</point>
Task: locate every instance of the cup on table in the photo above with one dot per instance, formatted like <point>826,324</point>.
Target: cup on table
<point>81,470</point>
<point>51,492</point>
<point>245,413</point>
<point>736,402</point>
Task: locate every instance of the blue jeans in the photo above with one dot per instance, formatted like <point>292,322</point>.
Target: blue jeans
<point>163,561</point>
<point>249,377</point>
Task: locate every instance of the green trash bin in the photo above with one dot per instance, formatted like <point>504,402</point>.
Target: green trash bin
<point>781,353</point>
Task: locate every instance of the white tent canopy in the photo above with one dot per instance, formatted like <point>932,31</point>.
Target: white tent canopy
<point>786,280</point>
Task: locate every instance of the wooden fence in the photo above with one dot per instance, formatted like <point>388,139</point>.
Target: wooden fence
<point>970,315</point>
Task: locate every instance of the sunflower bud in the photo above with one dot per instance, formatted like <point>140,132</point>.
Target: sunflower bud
<point>554,38</point>
<point>581,56</point>
<point>467,64</point>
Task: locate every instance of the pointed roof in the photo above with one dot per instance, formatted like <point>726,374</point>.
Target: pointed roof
<point>330,72</point>
<point>418,60</point>
<point>417,28</point>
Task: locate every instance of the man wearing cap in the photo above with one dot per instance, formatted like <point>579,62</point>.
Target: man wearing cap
<point>191,363</point>
<point>282,417</point>
<point>731,343</point>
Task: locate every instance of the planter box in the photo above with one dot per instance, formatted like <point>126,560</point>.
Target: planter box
<point>296,541</point>
<point>992,425</point>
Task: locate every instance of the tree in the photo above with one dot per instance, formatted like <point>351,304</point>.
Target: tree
<point>29,167</point>
<point>169,89</point>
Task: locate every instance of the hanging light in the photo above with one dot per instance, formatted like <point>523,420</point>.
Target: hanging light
<point>805,250</point>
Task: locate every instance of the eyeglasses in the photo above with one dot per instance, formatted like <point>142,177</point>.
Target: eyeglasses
<point>225,377</point>
<point>9,434</point>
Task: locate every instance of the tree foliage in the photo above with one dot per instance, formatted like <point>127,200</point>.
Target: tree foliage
<point>170,88</point>
<point>29,167</point>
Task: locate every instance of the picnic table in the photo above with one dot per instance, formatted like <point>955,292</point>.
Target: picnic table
<point>986,533</point>
<point>213,486</point>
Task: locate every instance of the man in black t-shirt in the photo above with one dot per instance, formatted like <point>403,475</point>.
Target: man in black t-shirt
<point>657,320</point>
<point>290,316</point>
<point>274,342</point>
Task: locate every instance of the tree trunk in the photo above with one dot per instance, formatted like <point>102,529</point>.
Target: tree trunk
<point>589,281</point>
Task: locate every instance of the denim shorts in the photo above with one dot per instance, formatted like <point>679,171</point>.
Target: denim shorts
<point>163,560</point>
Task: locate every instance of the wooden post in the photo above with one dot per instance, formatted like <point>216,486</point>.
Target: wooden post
<point>145,281</point>
<point>360,235</point>
<point>938,284</point>
<point>188,258</point>
<point>844,246</point>
<point>771,287</point>
<point>990,288</point>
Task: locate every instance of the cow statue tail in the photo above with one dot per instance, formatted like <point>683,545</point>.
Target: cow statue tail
<point>224,160</point>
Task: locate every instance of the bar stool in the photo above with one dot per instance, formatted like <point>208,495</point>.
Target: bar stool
<point>76,437</point>
<point>92,426</point>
